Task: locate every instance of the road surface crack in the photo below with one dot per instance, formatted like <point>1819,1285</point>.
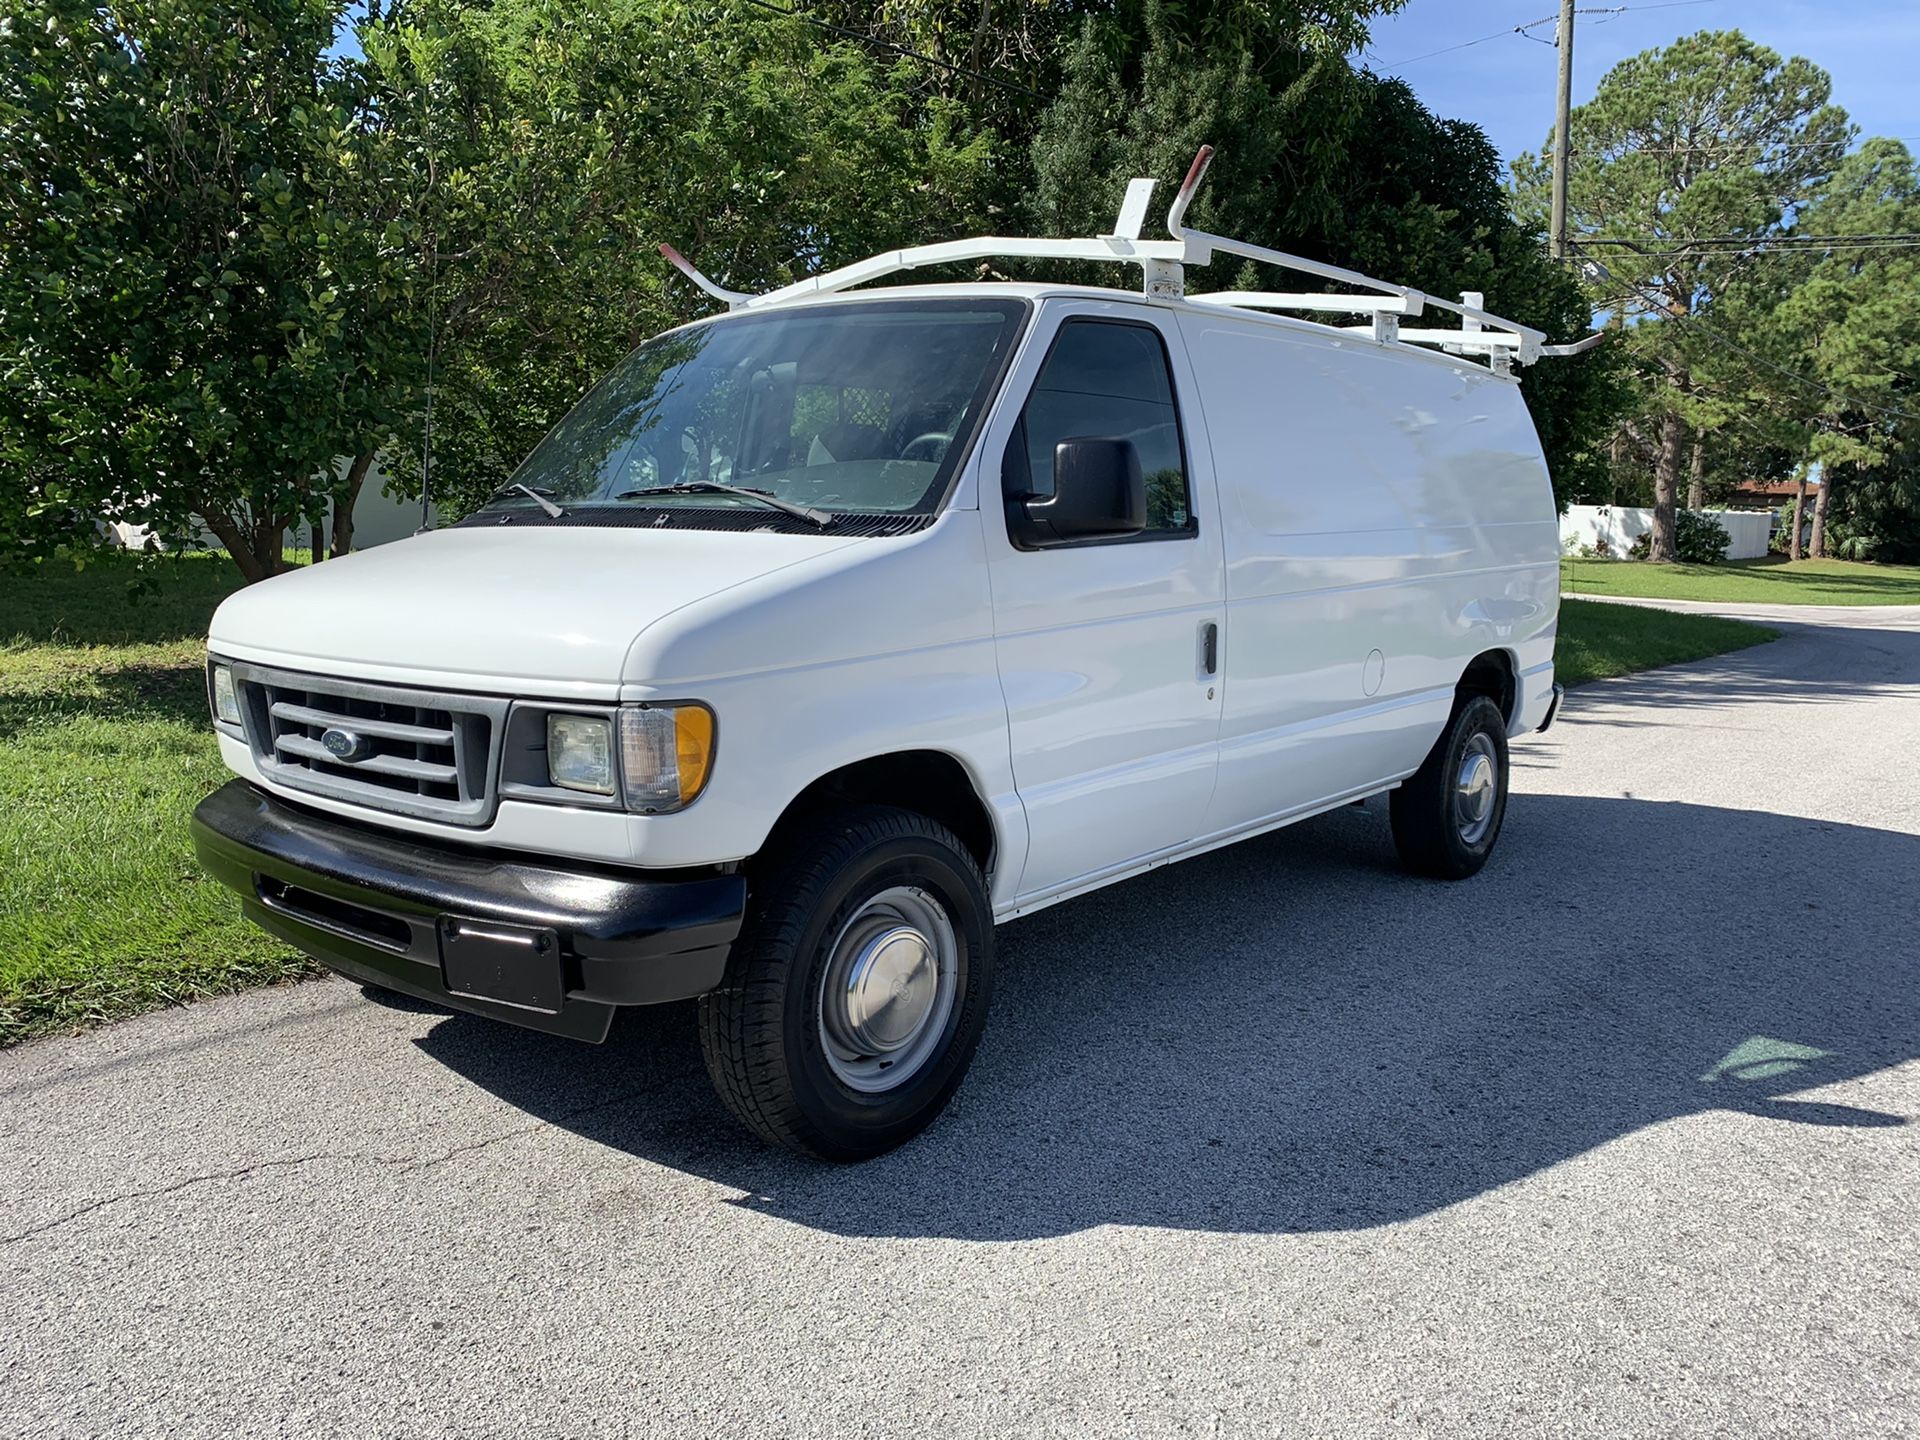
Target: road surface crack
<point>340,1157</point>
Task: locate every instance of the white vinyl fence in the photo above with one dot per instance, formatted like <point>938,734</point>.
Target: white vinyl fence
<point>1621,525</point>
<point>377,519</point>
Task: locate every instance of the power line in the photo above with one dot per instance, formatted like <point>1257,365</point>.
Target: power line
<point>1469,44</point>
<point>864,38</point>
<point>1774,252</point>
<point>1609,153</point>
<point>1534,24</point>
<point>1614,12</point>
<point>1781,241</point>
<point>1745,255</point>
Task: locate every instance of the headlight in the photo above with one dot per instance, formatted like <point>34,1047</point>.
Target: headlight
<point>226,699</point>
<point>666,754</point>
<point>580,752</point>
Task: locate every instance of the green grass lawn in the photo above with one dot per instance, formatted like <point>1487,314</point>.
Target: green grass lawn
<point>1598,640</point>
<point>1774,580</point>
<point>105,747</point>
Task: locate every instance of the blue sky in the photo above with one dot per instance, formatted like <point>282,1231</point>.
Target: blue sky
<point>1506,85</point>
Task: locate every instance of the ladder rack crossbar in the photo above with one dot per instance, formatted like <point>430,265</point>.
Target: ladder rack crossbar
<point>1162,264</point>
<point>1111,248</point>
<point>1453,339</point>
<point>1327,303</point>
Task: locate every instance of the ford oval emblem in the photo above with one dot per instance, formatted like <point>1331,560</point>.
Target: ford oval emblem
<point>343,744</point>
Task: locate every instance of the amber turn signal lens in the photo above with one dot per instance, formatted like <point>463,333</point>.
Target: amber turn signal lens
<point>666,755</point>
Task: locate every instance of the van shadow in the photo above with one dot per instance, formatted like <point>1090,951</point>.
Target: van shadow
<point>1292,1035</point>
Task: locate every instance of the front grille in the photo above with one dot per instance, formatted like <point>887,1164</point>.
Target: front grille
<point>425,753</point>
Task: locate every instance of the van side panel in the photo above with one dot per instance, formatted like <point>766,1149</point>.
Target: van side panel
<point>1388,518</point>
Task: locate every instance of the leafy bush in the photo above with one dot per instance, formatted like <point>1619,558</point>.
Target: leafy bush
<point>1780,537</point>
<point>1698,539</point>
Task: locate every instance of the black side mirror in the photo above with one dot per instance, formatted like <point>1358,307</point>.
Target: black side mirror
<point>1098,490</point>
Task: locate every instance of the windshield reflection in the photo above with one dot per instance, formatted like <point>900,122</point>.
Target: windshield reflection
<point>853,407</point>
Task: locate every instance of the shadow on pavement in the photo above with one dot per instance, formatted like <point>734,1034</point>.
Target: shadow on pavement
<point>1809,664</point>
<point>1292,1035</point>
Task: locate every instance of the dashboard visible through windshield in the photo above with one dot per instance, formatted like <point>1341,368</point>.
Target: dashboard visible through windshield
<point>862,407</point>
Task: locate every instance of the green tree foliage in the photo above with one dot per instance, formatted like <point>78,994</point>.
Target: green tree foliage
<point>230,257</point>
<point>1334,164</point>
<point>1712,137</point>
<point>196,297</point>
<point>558,143</point>
<point>1851,327</point>
<point>1006,57</point>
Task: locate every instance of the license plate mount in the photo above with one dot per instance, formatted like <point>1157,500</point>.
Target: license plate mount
<point>517,965</point>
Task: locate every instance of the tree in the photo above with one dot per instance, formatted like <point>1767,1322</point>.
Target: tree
<point>1006,59</point>
<point>557,144</point>
<point>1713,138</point>
<point>1335,164</point>
<point>1851,330</point>
<point>235,267</point>
<point>194,317</point>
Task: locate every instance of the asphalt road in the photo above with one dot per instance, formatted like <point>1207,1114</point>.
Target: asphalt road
<point>1617,1139</point>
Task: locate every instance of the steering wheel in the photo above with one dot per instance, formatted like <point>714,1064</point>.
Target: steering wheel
<point>932,437</point>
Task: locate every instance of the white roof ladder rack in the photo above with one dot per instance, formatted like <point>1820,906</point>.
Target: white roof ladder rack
<point>1163,276</point>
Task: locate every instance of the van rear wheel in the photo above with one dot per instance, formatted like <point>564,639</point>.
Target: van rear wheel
<point>1447,815</point>
<point>858,989</point>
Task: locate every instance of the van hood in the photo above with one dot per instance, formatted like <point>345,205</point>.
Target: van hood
<point>505,609</point>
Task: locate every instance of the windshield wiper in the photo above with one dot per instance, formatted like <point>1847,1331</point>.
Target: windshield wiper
<point>714,487</point>
<point>539,497</point>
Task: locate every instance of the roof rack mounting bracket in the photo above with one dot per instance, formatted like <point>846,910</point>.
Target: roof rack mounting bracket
<point>1164,279</point>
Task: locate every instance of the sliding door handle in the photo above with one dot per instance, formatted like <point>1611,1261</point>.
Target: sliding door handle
<point>1210,648</point>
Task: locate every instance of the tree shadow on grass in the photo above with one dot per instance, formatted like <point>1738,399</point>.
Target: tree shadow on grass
<point>1899,587</point>
<point>116,600</point>
<point>1808,665</point>
<point>1292,1035</point>
<point>1779,581</point>
<point>131,693</point>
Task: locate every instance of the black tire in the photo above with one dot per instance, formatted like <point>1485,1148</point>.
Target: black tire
<point>1430,830</point>
<point>763,1032</point>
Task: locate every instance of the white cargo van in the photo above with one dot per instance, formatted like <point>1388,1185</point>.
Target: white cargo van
<point>826,634</point>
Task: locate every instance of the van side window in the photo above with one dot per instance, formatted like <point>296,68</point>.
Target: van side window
<point>1109,378</point>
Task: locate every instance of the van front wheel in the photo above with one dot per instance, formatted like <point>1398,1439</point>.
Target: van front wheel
<point>1447,815</point>
<point>858,988</point>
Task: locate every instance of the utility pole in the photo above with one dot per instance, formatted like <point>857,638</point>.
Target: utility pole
<point>1557,238</point>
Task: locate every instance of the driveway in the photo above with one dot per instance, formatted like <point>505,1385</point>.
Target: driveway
<point>1616,1139</point>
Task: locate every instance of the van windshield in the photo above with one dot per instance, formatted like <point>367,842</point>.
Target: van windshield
<point>859,407</point>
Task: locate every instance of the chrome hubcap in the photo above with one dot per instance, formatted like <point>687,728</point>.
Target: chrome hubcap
<point>1475,788</point>
<point>889,989</point>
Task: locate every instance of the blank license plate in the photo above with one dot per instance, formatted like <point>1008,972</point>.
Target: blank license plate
<point>508,964</point>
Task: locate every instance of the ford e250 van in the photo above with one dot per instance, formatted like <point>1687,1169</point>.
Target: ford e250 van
<point>827,633</point>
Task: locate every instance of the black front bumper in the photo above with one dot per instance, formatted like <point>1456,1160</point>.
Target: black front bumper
<point>1553,706</point>
<point>376,906</point>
